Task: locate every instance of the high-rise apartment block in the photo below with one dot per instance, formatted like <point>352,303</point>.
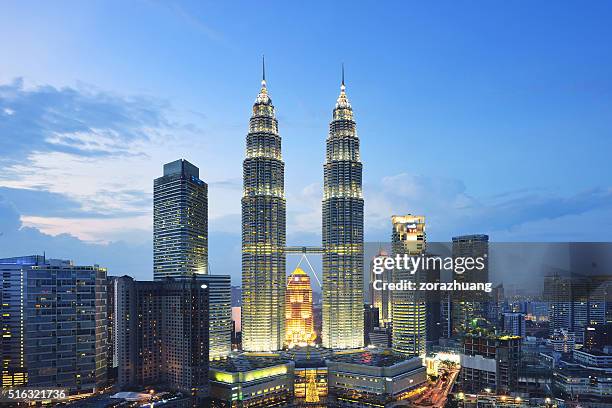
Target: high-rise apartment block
<point>162,333</point>
<point>53,324</point>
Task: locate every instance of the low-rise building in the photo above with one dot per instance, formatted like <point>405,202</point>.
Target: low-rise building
<point>251,380</point>
<point>367,379</point>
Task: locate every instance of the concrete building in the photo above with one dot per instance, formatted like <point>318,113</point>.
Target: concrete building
<point>162,334</point>
<point>563,341</point>
<point>251,380</point>
<point>53,324</point>
<point>489,362</point>
<point>367,379</point>
<point>220,314</point>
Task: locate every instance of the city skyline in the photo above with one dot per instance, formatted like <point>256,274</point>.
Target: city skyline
<point>509,120</point>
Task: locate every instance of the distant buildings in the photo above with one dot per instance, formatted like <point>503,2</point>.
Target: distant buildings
<point>53,324</point>
<point>563,341</point>
<point>409,308</point>
<point>299,323</point>
<point>263,231</point>
<point>380,297</point>
<point>598,336</point>
<point>180,222</point>
<point>585,375</point>
<point>577,301</point>
<point>342,232</point>
<point>513,324</point>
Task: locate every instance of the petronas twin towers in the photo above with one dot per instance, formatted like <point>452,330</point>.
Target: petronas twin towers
<point>264,232</point>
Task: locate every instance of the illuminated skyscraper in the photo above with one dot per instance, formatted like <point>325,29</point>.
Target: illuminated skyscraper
<point>409,307</point>
<point>342,232</point>
<point>180,222</point>
<point>299,323</point>
<point>263,231</point>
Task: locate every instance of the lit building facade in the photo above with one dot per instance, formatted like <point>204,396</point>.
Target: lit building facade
<point>409,333</point>
<point>342,312</point>
<point>263,231</point>
<point>251,381</point>
<point>299,326</point>
<point>180,222</point>
<point>220,314</point>
<point>162,333</point>
<point>56,311</point>
<point>466,305</point>
<point>380,295</point>
<point>368,379</point>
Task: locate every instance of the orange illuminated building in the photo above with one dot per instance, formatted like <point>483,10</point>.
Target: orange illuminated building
<point>299,326</point>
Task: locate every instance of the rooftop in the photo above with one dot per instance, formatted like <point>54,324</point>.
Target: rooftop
<point>244,363</point>
<point>369,358</point>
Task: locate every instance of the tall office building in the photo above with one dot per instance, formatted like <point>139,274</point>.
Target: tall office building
<point>409,308</point>
<point>342,232</point>
<point>53,324</point>
<point>263,231</point>
<point>466,305</point>
<point>162,333</point>
<point>380,295</point>
<point>180,222</point>
<point>299,324</point>
<point>220,314</point>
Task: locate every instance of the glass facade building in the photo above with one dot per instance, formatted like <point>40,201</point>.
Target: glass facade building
<point>409,306</point>
<point>342,232</point>
<point>180,222</point>
<point>263,231</point>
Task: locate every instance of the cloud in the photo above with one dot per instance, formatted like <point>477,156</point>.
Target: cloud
<point>450,210</point>
<point>80,121</point>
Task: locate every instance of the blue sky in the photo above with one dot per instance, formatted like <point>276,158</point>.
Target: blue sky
<point>486,117</point>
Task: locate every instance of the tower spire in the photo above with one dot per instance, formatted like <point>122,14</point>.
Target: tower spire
<point>342,101</point>
<point>263,68</point>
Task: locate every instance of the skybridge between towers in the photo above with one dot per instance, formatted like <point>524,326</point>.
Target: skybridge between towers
<point>304,251</point>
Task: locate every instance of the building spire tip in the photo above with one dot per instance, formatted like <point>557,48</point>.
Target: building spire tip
<point>263,68</point>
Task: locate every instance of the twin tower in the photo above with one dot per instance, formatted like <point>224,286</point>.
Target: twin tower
<point>264,227</point>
